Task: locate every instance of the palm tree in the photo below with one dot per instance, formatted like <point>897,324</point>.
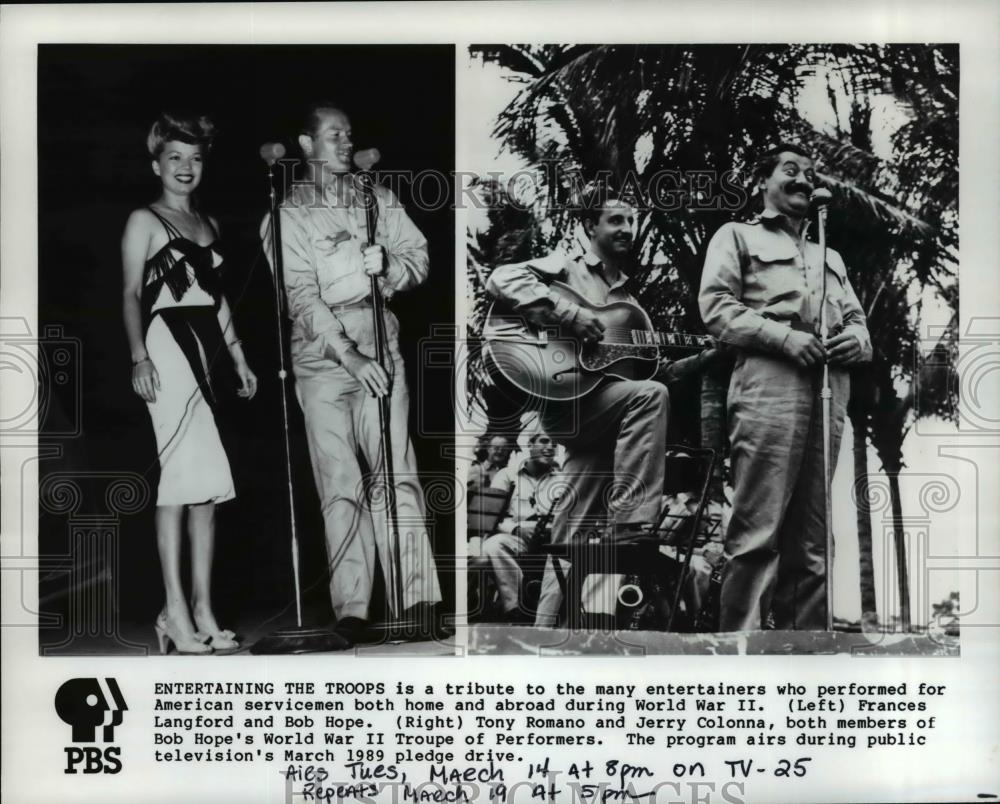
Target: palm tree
<point>510,236</point>
<point>890,270</point>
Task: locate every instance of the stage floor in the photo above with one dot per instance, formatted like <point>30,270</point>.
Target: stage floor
<point>140,640</point>
<point>527,640</point>
<point>513,640</point>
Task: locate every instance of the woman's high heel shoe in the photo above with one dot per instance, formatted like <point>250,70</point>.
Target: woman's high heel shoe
<point>167,634</point>
<point>219,640</point>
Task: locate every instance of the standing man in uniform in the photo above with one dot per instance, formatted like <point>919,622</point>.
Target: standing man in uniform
<point>327,269</point>
<point>614,436</point>
<point>761,292</point>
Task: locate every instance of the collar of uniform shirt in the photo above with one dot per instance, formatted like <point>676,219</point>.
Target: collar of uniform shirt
<point>339,194</point>
<point>596,265</point>
<point>302,194</point>
<point>783,222</point>
<point>334,194</point>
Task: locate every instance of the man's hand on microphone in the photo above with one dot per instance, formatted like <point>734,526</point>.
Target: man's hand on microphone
<point>843,349</point>
<point>803,348</point>
<point>374,257</point>
<point>366,371</point>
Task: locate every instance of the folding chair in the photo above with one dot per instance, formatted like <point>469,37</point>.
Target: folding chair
<point>688,470</point>
<point>485,509</point>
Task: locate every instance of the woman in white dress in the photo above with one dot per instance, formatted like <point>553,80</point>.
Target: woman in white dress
<point>180,333</point>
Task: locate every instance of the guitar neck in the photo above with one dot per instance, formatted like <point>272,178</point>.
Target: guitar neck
<point>641,337</point>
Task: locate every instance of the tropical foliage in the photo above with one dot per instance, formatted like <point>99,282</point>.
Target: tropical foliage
<point>679,126</point>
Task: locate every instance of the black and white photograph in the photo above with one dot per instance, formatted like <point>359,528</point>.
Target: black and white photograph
<point>499,402</point>
<point>679,414</point>
<point>226,469</point>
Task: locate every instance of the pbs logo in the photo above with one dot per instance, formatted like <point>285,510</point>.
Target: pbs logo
<point>92,707</point>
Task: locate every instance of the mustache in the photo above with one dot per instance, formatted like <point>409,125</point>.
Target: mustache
<point>799,187</point>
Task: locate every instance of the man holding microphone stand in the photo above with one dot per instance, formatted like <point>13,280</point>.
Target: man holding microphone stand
<point>786,307</point>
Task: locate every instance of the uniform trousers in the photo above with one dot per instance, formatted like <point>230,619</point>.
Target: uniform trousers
<point>506,552</point>
<point>615,438</point>
<point>776,539</point>
<point>342,428</point>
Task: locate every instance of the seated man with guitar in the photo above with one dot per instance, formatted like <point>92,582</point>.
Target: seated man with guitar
<point>569,334</point>
<point>534,491</point>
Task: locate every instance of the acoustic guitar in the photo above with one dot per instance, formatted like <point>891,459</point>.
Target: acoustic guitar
<point>549,363</point>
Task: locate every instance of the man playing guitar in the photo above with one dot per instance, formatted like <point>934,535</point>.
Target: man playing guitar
<point>615,434</point>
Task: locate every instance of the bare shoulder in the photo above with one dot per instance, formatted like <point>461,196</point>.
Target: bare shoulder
<point>140,222</point>
<point>137,242</point>
<point>141,216</point>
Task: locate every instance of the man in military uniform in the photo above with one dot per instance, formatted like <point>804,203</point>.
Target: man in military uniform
<point>615,436</point>
<point>327,268</point>
<point>761,293</point>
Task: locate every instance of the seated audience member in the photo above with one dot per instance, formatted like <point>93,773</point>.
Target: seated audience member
<point>534,490</point>
<point>497,453</point>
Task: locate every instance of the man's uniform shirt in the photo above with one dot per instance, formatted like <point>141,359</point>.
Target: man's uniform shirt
<point>532,497</point>
<point>759,278</point>
<point>323,240</point>
<point>523,284</point>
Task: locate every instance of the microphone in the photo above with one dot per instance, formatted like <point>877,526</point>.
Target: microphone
<point>366,159</point>
<point>820,197</point>
<point>271,152</point>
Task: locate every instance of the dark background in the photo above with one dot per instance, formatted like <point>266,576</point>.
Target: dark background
<point>95,107</point>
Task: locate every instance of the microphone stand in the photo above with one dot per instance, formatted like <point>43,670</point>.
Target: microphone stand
<point>299,639</point>
<point>394,627</point>
<point>826,394</point>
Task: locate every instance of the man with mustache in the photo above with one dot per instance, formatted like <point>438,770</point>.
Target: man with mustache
<point>761,293</point>
<point>614,436</point>
<point>327,268</point>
